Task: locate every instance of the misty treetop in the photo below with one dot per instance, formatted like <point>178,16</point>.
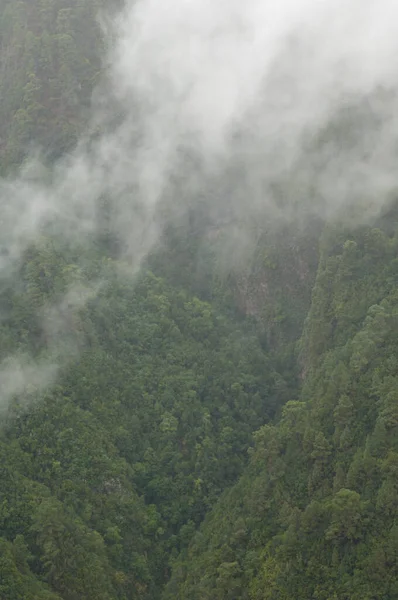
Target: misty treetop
<point>49,64</point>
<point>221,422</point>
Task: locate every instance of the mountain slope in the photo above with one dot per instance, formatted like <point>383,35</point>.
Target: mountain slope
<point>315,514</point>
<point>116,462</point>
<point>49,64</point>
<point>202,429</point>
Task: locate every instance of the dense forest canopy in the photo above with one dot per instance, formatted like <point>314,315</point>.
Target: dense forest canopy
<point>206,409</point>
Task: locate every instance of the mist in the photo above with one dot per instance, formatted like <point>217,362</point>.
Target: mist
<point>262,87</point>
<point>278,110</point>
<point>254,85</point>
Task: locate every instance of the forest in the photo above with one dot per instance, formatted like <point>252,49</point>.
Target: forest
<point>199,429</point>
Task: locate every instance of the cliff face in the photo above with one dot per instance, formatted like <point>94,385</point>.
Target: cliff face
<point>276,289</point>
<point>264,271</point>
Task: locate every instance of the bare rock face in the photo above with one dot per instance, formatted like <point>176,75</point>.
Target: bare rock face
<point>276,291</point>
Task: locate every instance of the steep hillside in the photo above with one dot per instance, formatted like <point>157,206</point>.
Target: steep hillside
<point>49,64</point>
<point>214,418</point>
<point>111,461</point>
<point>315,514</point>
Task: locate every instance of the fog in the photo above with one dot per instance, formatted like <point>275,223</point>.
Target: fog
<point>253,85</point>
<point>274,75</point>
<point>276,110</point>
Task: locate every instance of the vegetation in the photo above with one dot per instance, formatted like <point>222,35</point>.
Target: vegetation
<point>118,463</point>
<point>315,513</point>
<point>202,430</point>
<point>49,64</point>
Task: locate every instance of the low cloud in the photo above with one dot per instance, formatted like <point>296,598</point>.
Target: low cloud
<point>284,108</point>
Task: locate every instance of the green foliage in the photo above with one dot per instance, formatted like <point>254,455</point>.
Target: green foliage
<point>315,513</point>
<point>17,582</point>
<point>49,63</point>
<point>158,442</point>
<point>150,420</point>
